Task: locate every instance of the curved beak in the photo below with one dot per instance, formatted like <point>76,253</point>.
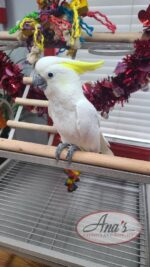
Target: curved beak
<point>39,81</point>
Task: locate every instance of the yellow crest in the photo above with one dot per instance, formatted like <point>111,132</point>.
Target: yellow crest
<point>81,67</point>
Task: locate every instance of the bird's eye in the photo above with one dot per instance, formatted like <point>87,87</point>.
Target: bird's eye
<point>50,75</point>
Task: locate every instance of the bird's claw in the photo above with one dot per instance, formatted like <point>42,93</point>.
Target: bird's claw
<point>71,150</point>
<point>59,149</point>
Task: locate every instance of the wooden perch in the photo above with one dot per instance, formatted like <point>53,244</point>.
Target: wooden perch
<point>128,37</point>
<point>4,35</point>
<point>123,37</point>
<point>27,80</point>
<point>31,102</point>
<point>88,158</point>
<point>31,126</point>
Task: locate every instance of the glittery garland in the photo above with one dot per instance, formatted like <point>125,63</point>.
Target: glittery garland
<point>11,85</point>
<point>10,76</point>
<point>132,74</point>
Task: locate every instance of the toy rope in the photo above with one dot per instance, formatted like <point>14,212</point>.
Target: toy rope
<point>76,32</point>
<point>108,23</point>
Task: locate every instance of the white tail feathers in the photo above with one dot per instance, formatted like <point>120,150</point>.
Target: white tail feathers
<point>105,147</point>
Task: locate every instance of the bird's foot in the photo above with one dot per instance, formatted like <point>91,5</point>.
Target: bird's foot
<point>71,150</point>
<point>59,149</point>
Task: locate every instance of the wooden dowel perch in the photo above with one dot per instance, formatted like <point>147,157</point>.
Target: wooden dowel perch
<point>128,37</point>
<point>4,35</point>
<point>31,126</point>
<point>123,37</point>
<point>106,161</point>
<point>31,102</point>
<point>27,80</point>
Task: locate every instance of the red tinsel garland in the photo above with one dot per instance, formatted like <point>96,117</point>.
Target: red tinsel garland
<point>36,93</point>
<point>10,76</point>
<point>132,74</point>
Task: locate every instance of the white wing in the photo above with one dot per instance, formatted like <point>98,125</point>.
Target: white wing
<point>105,146</point>
<point>88,126</point>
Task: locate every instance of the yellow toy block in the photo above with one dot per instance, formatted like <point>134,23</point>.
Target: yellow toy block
<point>82,6</point>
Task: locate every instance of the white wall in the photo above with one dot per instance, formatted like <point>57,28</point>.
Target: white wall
<point>17,9</point>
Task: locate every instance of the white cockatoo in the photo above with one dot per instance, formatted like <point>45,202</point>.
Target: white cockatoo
<point>75,118</point>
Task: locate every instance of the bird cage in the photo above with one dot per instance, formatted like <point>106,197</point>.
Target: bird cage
<point>38,217</point>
